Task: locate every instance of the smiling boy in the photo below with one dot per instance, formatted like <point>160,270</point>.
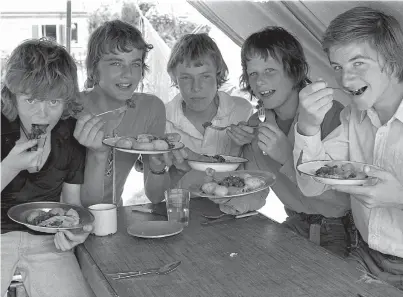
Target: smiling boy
<point>116,64</point>
<point>364,47</point>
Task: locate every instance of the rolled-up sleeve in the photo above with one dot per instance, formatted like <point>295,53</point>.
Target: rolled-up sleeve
<point>312,148</point>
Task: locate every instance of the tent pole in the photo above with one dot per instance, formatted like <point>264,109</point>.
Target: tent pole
<point>68,26</point>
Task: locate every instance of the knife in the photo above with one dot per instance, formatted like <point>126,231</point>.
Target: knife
<point>147,210</point>
<point>229,217</point>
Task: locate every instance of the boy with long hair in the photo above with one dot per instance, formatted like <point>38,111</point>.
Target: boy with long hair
<point>39,94</point>
<point>274,71</point>
<point>115,66</point>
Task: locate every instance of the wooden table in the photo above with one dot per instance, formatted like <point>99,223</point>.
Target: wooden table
<point>248,257</point>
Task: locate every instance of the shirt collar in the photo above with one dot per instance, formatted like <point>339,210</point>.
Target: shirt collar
<point>371,113</point>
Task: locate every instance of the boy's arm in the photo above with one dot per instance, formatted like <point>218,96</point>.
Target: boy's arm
<point>311,148</point>
<point>71,194</point>
<point>92,191</point>
<point>156,184</point>
<point>330,123</point>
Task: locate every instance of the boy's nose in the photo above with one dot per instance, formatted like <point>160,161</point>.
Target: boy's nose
<point>196,85</point>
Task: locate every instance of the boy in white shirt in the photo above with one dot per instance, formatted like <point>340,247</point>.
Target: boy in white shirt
<point>364,47</point>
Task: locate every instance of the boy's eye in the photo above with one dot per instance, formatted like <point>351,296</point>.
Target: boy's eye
<point>115,63</point>
<point>137,64</point>
<point>358,64</point>
<point>252,74</point>
<point>336,67</point>
<point>30,100</point>
<point>269,70</point>
<point>206,76</point>
<point>54,102</point>
<point>184,77</point>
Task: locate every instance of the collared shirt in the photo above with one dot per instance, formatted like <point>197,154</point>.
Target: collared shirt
<point>330,204</point>
<point>362,138</point>
<point>231,110</point>
<point>65,164</point>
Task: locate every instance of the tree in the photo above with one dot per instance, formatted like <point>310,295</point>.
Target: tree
<point>169,27</point>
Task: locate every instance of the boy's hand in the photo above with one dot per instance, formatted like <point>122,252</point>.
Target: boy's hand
<point>20,159</point>
<point>89,132</point>
<point>315,100</point>
<point>176,158</point>
<point>386,191</point>
<point>66,240</point>
<point>274,142</point>
<point>241,134</point>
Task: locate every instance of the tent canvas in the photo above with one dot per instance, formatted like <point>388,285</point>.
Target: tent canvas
<point>307,20</point>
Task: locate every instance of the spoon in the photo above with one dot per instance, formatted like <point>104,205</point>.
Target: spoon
<point>158,271</point>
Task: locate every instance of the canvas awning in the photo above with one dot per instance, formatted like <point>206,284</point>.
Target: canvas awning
<point>307,20</point>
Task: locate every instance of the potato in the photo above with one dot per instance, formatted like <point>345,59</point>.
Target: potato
<point>252,183</point>
<point>160,144</point>
<point>143,146</point>
<point>124,143</point>
<point>208,179</point>
<point>221,191</point>
<point>73,213</point>
<point>173,137</point>
<point>209,188</point>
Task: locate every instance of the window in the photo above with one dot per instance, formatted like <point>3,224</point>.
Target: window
<point>49,31</point>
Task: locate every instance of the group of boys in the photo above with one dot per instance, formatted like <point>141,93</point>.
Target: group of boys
<point>304,122</point>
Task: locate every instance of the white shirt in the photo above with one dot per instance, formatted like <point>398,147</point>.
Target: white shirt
<point>362,138</point>
<point>231,110</point>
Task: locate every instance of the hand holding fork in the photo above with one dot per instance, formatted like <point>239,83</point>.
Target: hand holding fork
<point>261,113</point>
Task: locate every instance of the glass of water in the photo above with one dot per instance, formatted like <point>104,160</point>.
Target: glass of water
<point>177,201</point>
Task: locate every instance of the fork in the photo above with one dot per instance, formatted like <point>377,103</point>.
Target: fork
<point>220,128</point>
<point>261,114</point>
<point>168,268</point>
<point>113,111</point>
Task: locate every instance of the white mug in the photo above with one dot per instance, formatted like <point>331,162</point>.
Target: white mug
<point>106,222</point>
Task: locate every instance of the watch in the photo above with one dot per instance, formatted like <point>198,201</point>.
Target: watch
<point>165,169</point>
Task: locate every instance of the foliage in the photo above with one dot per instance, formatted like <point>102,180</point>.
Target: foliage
<point>168,26</point>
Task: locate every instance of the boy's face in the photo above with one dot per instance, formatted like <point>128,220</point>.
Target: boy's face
<point>33,111</point>
<point>197,83</point>
<point>268,81</point>
<point>120,74</point>
<point>358,67</point>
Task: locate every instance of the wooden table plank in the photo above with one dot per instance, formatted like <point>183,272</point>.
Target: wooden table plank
<point>253,256</point>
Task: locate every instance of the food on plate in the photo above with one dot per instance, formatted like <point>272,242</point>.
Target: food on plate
<point>341,171</point>
<point>149,142</point>
<point>56,217</point>
<point>160,144</point>
<point>124,142</point>
<point>236,183</point>
<point>145,138</point>
<point>211,159</point>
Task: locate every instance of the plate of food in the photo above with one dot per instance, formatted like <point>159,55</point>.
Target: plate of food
<point>336,172</point>
<point>50,217</point>
<point>232,184</point>
<point>146,143</point>
<point>220,163</point>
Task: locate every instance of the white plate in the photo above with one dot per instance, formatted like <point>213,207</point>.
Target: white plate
<point>154,229</point>
<point>231,164</point>
<point>309,168</point>
<point>269,178</point>
<point>112,140</point>
<point>19,214</point>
